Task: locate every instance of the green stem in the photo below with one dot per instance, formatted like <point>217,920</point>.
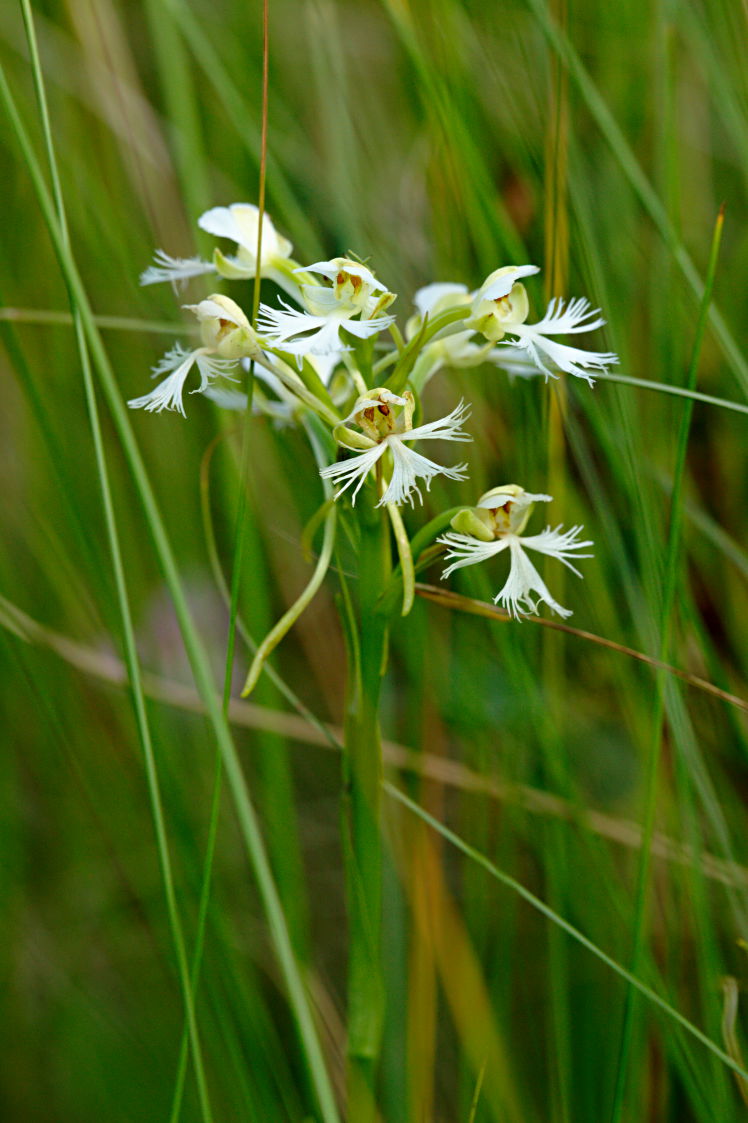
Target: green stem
<point>362,813</point>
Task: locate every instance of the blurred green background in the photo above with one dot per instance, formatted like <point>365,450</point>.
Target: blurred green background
<point>440,140</point>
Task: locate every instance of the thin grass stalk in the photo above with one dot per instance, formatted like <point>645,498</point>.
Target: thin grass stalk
<point>553,654</point>
<point>194,647</point>
<point>677,391</point>
<point>670,581</point>
<point>128,630</point>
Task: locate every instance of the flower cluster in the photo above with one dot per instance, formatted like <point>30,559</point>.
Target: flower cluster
<point>319,350</point>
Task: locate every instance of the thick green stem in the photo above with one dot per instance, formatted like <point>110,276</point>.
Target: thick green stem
<point>361,816</point>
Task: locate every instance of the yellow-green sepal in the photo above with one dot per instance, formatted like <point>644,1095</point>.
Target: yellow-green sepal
<point>229,268</point>
<point>473,522</point>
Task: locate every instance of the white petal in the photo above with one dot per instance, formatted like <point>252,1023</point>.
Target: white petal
<point>175,269</point>
<point>578,316</point>
<point>408,467</point>
<point>429,295</point>
<point>286,319</point>
<point>239,223</point>
<point>300,333</point>
<point>211,367</point>
<point>524,499</point>
<point>279,325</point>
<point>362,329</point>
<point>168,394</point>
<point>561,544</point>
<point>320,300</point>
<point>447,428</point>
<point>524,580</point>
<point>502,286</point>
<point>171,360</point>
<point>385,395</point>
<point>514,360</point>
<point>354,468</point>
<point>208,309</point>
<point>572,360</point>
<point>469,551</point>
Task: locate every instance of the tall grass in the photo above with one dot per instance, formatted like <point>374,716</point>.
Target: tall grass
<point>565,872</point>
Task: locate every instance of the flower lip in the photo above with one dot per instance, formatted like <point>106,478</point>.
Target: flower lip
<point>301,333</point>
<point>408,466</point>
<point>177,364</point>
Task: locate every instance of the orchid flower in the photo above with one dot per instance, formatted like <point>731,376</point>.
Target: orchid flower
<point>227,337</point>
<point>500,308</point>
<point>351,302</point>
<point>240,224</point>
<point>495,524</point>
<point>385,423</point>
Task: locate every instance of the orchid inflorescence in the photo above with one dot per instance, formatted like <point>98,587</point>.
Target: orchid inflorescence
<point>321,354</point>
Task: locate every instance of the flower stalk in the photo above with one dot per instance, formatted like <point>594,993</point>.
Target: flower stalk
<point>362,776</point>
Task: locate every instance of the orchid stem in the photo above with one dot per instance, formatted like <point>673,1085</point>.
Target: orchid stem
<point>361,815</point>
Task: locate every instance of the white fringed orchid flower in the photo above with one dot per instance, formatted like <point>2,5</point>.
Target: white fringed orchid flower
<point>352,301</point>
<point>495,524</point>
<point>500,308</point>
<point>385,423</point>
<point>240,224</point>
<point>227,337</point>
